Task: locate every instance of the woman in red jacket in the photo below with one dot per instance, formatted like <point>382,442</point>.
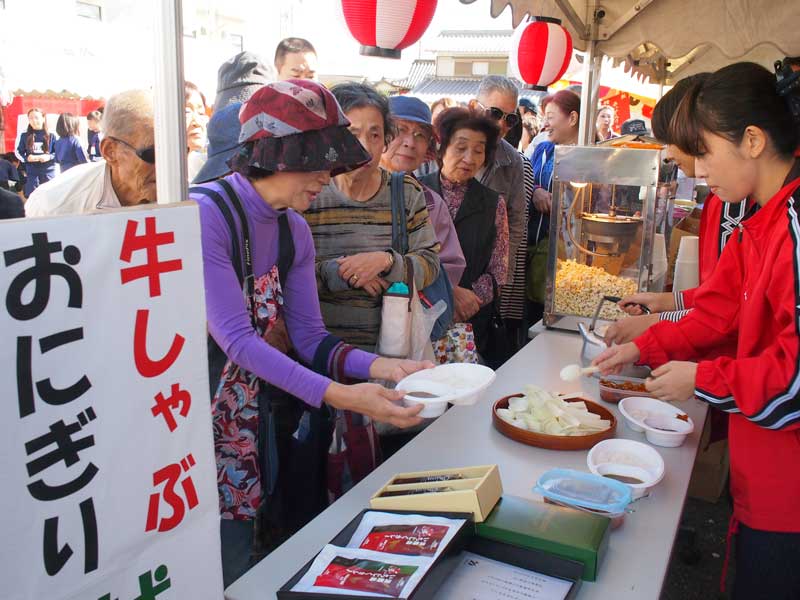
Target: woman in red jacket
<point>743,135</point>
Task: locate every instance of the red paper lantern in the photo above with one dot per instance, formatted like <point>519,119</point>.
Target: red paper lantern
<point>384,27</point>
<point>540,52</point>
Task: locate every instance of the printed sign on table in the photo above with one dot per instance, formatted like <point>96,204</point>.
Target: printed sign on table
<point>109,481</point>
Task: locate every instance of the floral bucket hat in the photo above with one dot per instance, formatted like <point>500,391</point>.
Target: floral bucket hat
<point>296,125</point>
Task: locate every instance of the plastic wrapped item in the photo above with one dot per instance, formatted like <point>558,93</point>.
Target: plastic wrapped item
<point>584,491</point>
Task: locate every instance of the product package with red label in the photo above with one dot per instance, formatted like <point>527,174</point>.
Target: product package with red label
<point>408,540</point>
<point>365,576</point>
<point>357,572</point>
<point>405,535</point>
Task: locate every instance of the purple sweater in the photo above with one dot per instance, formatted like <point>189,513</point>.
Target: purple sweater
<point>228,320</point>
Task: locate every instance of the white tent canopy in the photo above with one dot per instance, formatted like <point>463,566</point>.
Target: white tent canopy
<point>667,40</point>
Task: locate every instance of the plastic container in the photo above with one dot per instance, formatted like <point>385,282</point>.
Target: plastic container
<point>585,491</point>
<point>467,382</point>
<point>657,419</point>
<point>613,394</point>
<point>627,459</point>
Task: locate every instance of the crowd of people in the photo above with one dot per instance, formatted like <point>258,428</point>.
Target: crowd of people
<point>308,180</point>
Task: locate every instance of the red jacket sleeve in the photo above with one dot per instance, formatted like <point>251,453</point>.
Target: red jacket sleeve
<point>712,323</point>
<point>765,388</point>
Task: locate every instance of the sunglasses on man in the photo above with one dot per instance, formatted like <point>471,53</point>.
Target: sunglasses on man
<point>497,114</point>
<point>148,154</point>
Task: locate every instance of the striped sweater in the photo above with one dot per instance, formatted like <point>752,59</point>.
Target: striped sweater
<point>342,226</point>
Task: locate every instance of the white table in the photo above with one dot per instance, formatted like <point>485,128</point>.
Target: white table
<point>639,551</point>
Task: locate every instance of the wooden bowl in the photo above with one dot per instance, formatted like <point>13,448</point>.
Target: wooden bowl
<point>555,442</point>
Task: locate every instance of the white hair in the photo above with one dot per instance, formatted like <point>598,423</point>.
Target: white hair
<point>125,113</point>
<point>498,83</point>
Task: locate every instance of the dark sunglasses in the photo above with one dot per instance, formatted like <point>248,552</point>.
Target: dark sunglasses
<point>495,113</point>
<point>148,154</point>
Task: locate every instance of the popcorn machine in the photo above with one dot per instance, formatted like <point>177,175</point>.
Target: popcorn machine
<point>610,209</point>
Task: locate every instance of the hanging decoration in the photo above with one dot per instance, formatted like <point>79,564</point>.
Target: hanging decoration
<point>385,27</point>
<point>540,52</point>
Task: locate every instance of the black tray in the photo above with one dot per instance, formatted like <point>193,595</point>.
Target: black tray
<point>426,589</point>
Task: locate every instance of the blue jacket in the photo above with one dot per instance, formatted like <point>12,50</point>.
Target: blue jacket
<point>38,148</point>
<point>8,172</point>
<point>542,163</point>
<point>69,152</point>
<point>93,138</point>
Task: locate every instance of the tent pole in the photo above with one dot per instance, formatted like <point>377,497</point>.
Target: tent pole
<point>169,111</point>
<point>591,77</point>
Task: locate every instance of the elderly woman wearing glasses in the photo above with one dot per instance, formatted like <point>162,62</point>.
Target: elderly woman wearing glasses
<point>127,176</point>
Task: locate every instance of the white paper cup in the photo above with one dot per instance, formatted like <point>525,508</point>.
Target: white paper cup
<point>689,248</point>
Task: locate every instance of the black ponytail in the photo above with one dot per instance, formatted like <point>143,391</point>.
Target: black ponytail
<point>729,101</point>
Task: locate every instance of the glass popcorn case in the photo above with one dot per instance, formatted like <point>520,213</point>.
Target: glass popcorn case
<point>609,230</point>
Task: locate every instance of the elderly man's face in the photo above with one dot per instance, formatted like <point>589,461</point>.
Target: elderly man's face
<point>505,102</point>
<point>133,178</point>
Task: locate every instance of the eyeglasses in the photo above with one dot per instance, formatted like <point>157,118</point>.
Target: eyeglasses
<point>148,154</point>
<point>497,114</point>
<point>418,136</point>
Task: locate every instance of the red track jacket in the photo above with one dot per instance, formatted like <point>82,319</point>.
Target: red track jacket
<point>752,299</point>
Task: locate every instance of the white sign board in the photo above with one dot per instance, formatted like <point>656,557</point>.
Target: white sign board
<point>109,480</point>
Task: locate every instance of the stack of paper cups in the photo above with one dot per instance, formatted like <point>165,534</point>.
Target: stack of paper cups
<point>659,261</point>
<point>686,265</point>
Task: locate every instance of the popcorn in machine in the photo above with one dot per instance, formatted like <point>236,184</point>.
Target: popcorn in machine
<point>609,230</point>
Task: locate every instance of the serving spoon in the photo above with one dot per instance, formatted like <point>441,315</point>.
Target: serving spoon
<point>575,372</point>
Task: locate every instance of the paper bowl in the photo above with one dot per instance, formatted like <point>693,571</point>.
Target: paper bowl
<point>467,382</point>
<point>636,409</point>
<point>628,459</point>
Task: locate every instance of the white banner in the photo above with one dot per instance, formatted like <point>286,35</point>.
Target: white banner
<point>109,483</point>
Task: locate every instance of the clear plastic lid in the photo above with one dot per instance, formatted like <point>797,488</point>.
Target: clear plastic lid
<point>584,490</point>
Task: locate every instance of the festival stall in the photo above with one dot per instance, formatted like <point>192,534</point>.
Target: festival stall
<point>128,508</point>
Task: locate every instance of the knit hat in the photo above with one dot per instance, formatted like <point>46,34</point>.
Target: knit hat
<point>239,77</point>
<point>296,125</point>
<point>223,142</point>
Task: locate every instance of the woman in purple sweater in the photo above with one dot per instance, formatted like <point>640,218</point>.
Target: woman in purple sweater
<point>294,137</point>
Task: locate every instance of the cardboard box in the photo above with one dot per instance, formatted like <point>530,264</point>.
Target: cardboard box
<point>710,473</point>
<point>444,565</point>
<point>555,530</point>
<point>477,493</point>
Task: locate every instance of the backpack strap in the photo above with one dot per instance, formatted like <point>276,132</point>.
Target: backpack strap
<point>285,249</point>
<point>248,256</point>
<point>399,222</point>
<point>216,197</point>
<point>246,275</point>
